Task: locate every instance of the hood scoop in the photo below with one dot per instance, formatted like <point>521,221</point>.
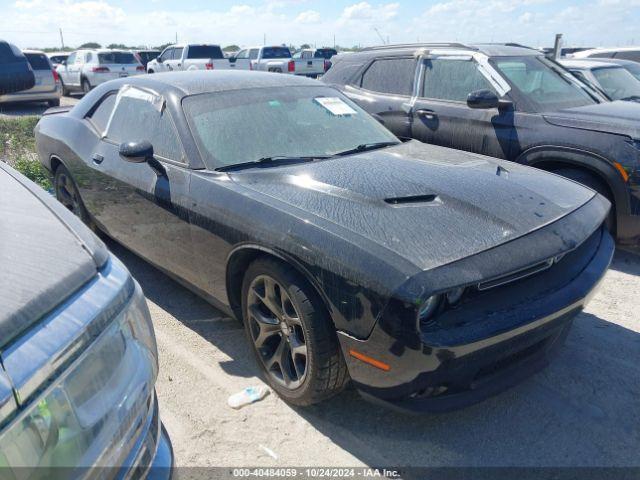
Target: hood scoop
<point>412,200</point>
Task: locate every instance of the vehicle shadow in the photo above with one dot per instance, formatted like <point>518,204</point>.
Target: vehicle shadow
<point>627,261</point>
<point>582,410</point>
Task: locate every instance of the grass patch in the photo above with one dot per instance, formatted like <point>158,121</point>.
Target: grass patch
<point>18,149</point>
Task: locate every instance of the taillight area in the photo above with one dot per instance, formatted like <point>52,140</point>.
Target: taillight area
<point>56,77</point>
<point>208,66</point>
<point>291,66</point>
<point>139,68</point>
<point>100,70</point>
<point>327,65</point>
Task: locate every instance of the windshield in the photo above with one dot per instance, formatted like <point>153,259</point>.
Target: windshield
<point>276,52</point>
<point>121,58</point>
<point>205,51</point>
<point>246,125</point>
<point>617,83</point>
<point>545,85</point>
<point>633,69</point>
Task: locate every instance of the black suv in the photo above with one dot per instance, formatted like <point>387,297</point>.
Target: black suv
<point>505,101</point>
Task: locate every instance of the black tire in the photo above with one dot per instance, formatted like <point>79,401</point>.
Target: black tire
<point>325,372</point>
<point>593,182</point>
<point>65,90</point>
<point>86,86</point>
<point>150,71</point>
<point>54,103</point>
<point>67,193</point>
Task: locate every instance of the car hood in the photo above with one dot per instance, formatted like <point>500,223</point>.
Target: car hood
<point>428,204</point>
<point>46,254</point>
<point>622,118</point>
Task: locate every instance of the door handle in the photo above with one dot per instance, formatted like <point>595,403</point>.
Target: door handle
<point>179,64</point>
<point>97,158</point>
<point>426,113</point>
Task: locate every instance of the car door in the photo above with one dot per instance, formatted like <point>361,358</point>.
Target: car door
<point>440,114</point>
<point>385,89</point>
<point>242,60</point>
<point>166,54</point>
<point>175,62</point>
<point>145,210</point>
<point>66,71</point>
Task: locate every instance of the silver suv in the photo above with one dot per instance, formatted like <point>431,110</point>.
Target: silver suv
<point>85,69</point>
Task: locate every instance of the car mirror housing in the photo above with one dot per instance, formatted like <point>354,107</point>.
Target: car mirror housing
<point>136,152</point>
<point>483,99</point>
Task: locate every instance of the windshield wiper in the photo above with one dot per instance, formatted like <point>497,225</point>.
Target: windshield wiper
<point>631,98</point>
<point>363,147</point>
<point>268,161</point>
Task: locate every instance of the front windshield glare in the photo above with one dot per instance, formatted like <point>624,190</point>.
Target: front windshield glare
<point>246,125</point>
<point>617,83</point>
<point>545,85</point>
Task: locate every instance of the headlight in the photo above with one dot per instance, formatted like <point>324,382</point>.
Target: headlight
<point>454,296</point>
<point>89,415</point>
<point>427,309</point>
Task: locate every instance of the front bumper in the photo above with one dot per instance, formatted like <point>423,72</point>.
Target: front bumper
<point>483,347</point>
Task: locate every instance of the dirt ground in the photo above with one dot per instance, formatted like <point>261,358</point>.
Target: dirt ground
<point>583,410</point>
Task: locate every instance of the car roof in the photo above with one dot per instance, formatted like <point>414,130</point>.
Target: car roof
<point>586,53</point>
<point>587,63</point>
<point>489,49</point>
<point>201,81</point>
<point>34,52</point>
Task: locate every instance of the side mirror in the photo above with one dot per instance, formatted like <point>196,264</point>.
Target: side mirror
<point>483,99</point>
<point>142,152</point>
<point>158,60</point>
<point>136,152</point>
<point>63,62</point>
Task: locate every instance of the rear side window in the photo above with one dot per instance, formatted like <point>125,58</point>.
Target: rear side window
<point>325,53</point>
<point>633,55</point>
<point>205,51</point>
<point>342,72</point>
<point>100,116</point>
<point>602,55</point>
<point>276,52</point>
<point>121,58</point>
<point>390,75</point>
<point>38,61</point>
<point>136,120</point>
<point>6,54</point>
<point>253,53</point>
<point>452,79</point>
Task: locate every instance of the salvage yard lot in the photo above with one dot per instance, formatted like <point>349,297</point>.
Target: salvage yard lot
<point>583,410</point>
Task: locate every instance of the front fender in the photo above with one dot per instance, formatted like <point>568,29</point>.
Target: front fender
<point>601,166</point>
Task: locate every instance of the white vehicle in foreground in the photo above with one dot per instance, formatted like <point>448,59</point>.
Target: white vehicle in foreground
<point>619,53</point>
<point>276,59</point>
<point>85,69</point>
<point>189,57</point>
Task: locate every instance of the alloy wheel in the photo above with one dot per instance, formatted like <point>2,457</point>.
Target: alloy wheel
<point>67,194</point>
<point>277,332</point>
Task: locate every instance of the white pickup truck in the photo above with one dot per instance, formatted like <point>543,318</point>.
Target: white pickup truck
<point>276,59</point>
<point>189,57</point>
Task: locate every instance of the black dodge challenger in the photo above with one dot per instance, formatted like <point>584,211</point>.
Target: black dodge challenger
<point>430,277</point>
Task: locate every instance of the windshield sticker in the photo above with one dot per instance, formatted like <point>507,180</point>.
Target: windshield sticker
<point>335,105</point>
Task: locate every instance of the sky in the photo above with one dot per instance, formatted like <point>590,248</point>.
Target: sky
<point>36,23</point>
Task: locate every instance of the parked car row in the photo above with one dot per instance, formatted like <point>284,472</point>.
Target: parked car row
<point>46,86</point>
<point>507,102</point>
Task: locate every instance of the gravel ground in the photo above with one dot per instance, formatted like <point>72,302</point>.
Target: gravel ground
<point>583,410</point>
<point>11,110</point>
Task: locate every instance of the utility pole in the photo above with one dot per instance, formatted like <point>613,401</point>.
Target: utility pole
<point>380,35</point>
<point>176,38</point>
<point>334,41</point>
<point>264,39</point>
<point>61,39</point>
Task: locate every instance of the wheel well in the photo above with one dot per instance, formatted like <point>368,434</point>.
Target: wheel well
<point>237,266</point>
<point>554,165</point>
<point>55,163</point>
